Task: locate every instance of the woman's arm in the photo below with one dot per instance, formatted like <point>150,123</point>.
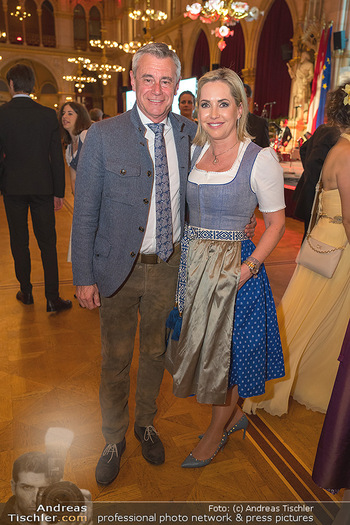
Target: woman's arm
<point>275,226</point>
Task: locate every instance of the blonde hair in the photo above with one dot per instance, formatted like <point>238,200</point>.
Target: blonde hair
<point>237,90</point>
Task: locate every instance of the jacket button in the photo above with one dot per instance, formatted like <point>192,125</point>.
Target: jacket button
<point>141,229</point>
<point>146,201</point>
<point>123,172</point>
<point>149,173</point>
<point>132,254</point>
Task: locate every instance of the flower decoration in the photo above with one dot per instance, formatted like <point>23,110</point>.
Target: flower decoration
<point>226,11</point>
<point>223,32</point>
<point>346,100</point>
<point>221,44</point>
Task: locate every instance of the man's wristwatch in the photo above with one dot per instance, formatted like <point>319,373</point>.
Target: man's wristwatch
<point>253,265</point>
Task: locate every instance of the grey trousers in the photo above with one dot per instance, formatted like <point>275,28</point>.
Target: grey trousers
<point>150,292</point>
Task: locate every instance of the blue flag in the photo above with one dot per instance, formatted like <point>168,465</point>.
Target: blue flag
<point>326,81</point>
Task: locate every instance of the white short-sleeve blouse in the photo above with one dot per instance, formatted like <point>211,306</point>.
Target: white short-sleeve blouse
<point>266,179</point>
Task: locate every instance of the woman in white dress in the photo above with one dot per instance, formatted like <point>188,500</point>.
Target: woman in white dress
<point>74,121</point>
<point>314,311</point>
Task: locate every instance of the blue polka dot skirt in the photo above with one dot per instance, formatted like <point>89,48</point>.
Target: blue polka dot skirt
<point>256,345</point>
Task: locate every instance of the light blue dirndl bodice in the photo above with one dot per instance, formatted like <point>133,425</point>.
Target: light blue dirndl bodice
<point>225,206</point>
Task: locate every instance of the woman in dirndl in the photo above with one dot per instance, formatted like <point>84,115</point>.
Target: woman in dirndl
<point>224,340</point>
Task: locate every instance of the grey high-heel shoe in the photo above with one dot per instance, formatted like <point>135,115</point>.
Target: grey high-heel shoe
<point>242,424</point>
<point>192,462</point>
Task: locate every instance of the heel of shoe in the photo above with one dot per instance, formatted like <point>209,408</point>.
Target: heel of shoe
<point>242,424</point>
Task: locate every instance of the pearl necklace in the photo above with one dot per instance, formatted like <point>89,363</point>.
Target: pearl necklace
<point>215,159</point>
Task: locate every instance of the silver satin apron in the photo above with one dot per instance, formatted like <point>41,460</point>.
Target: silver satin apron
<point>200,360</point>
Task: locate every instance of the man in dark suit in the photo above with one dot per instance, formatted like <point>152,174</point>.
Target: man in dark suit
<point>312,153</point>
<point>33,178</point>
<point>257,126</point>
<point>285,134</point>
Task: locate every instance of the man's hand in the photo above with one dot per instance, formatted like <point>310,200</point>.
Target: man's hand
<point>57,203</point>
<point>250,228</point>
<point>88,296</point>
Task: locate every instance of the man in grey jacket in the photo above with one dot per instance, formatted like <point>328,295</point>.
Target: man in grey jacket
<point>115,253</point>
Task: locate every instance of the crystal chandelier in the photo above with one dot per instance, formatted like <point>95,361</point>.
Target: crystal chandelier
<point>225,12</point>
<point>127,47</point>
<point>79,79</point>
<point>148,14</point>
<point>20,13</point>
<point>104,69</point>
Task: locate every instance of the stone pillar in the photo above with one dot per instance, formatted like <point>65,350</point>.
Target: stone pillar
<point>64,30</point>
<point>249,78</point>
<point>5,8</point>
<point>40,12</point>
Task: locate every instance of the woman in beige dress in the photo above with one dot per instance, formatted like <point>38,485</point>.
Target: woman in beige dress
<point>314,311</point>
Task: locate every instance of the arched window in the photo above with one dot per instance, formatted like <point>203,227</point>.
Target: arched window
<point>201,57</point>
<point>79,24</point>
<point>48,89</point>
<point>233,54</point>
<point>272,77</point>
<point>94,24</point>
<point>14,24</point>
<point>32,24</point>
<point>48,24</point>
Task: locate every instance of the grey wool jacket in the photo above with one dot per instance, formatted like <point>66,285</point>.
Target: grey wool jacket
<point>113,194</point>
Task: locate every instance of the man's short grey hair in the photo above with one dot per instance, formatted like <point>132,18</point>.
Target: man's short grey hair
<point>96,114</point>
<point>158,50</point>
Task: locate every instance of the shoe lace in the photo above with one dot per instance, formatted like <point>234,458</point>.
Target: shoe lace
<point>148,433</point>
<point>111,449</point>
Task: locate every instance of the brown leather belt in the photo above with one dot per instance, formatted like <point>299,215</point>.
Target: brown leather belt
<point>152,258</point>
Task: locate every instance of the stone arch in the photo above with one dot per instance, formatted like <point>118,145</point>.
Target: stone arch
<point>94,24</point>
<point>252,30</point>
<point>272,80</point>
<point>196,69</point>
<point>43,76</point>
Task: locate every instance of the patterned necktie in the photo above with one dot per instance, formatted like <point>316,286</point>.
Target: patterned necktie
<point>164,226</point>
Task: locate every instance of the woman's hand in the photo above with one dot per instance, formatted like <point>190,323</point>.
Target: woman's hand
<point>245,275</point>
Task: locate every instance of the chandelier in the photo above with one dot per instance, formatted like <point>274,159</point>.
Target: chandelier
<point>20,13</point>
<point>79,79</point>
<point>148,14</point>
<point>225,12</point>
<point>128,47</point>
<point>104,69</point>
